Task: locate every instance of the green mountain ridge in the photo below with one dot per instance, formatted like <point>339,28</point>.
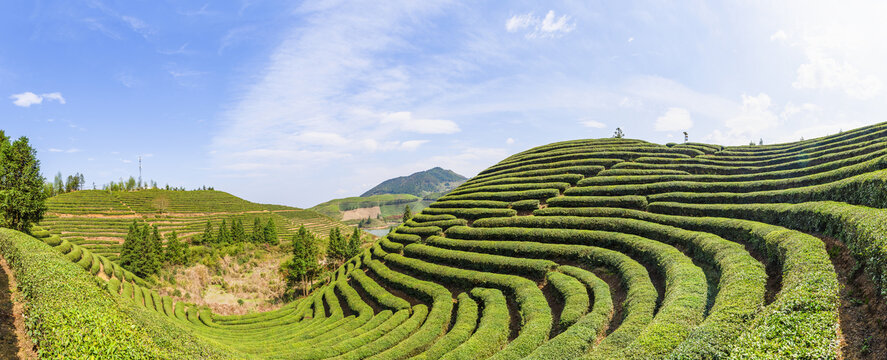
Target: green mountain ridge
<point>422,183</point>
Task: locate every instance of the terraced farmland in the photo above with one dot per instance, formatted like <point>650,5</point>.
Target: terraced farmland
<point>98,220</point>
<point>594,249</point>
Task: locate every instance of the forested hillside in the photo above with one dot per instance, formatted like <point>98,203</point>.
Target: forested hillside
<point>423,183</point>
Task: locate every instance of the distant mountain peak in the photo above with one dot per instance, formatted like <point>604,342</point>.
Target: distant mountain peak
<point>422,183</point>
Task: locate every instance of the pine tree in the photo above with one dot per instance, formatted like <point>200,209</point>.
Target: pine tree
<point>270,235</point>
<point>207,237</point>
<point>336,248</point>
<point>22,200</point>
<point>618,134</point>
<point>407,213</point>
<point>303,268</point>
<point>127,251</point>
<point>58,185</point>
<point>175,249</point>
<point>157,243</point>
<point>354,244</point>
<point>258,231</point>
<point>238,234</point>
<point>151,245</point>
<point>224,237</point>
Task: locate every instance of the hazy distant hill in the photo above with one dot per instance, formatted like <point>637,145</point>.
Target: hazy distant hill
<point>436,180</point>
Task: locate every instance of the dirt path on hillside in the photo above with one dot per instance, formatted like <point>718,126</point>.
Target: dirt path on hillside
<point>863,312</point>
<point>14,341</point>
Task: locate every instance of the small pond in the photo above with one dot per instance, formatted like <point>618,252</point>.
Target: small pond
<point>378,232</point>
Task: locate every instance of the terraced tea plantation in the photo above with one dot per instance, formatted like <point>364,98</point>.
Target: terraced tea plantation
<point>98,220</point>
<point>586,249</point>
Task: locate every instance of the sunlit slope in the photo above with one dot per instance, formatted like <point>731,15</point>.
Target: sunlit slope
<point>604,249</point>
<point>98,220</point>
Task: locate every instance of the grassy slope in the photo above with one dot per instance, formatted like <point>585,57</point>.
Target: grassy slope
<point>98,220</point>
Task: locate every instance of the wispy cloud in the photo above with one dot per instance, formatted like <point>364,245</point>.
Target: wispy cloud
<point>779,35</point>
<point>325,94</point>
<point>405,121</point>
<point>593,124</point>
<point>26,99</point>
<point>126,79</point>
<point>138,25</point>
<point>533,27</point>
<point>181,50</point>
<point>234,36</point>
<point>202,11</point>
<point>69,151</point>
<point>135,24</point>
<point>184,76</point>
<point>822,71</point>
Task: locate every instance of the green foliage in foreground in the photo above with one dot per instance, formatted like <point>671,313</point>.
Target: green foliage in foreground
<point>71,316</point>
<point>21,185</point>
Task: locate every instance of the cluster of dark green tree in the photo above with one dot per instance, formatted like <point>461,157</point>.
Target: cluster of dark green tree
<point>22,200</point>
<point>341,248</point>
<point>144,252</point>
<point>132,184</point>
<point>236,234</point>
<point>60,185</point>
<point>304,267</point>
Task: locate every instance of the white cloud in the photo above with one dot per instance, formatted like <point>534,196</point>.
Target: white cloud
<point>405,121</point>
<point>630,39</point>
<point>321,138</point>
<point>138,25</point>
<point>410,145</point>
<point>520,22</point>
<point>325,96</point>
<point>26,99</point>
<point>779,35</point>
<point>593,124</point>
<point>791,110</point>
<point>755,115</point>
<point>675,119</point>
<point>126,79</point>
<point>666,92</point>
<point>749,124</point>
<point>550,26</point>
<point>825,72</point>
<point>629,103</point>
<point>838,57</point>
<point>509,141</point>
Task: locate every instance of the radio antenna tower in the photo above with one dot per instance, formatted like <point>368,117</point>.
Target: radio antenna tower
<point>140,170</point>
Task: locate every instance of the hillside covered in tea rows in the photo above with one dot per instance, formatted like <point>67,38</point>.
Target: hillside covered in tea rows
<point>586,249</point>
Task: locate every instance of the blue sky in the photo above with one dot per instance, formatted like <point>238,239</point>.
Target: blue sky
<point>296,103</point>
